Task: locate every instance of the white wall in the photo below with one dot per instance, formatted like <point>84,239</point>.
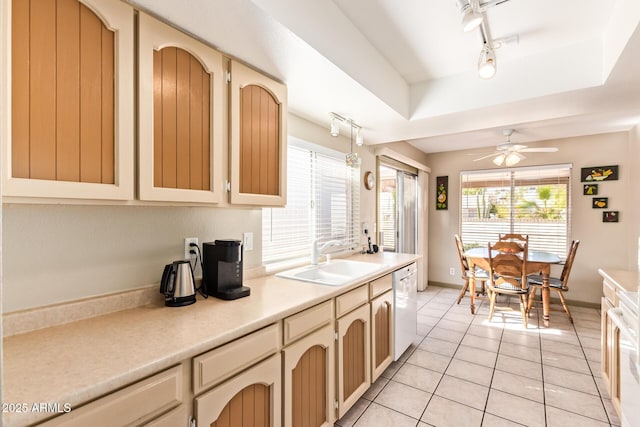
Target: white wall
<point>634,199</point>
<point>55,253</point>
<point>602,245</point>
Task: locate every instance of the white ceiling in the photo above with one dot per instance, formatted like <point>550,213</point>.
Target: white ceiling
<point>405,70</point>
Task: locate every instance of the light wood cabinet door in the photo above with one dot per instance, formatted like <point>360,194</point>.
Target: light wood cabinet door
<point>68,126</point>
<point>354,357</point>
<point>250,399</point>
<point>181,102</point>
<point>309,380</point>
<point>381,334</point>
<point>258,138</point>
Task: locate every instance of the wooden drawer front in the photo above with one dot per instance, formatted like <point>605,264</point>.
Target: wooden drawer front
<point>136,403</point>
<point>379,286</point>
<point>177,417</point>
<point>352,299</point>
<point>609,292</point>
<point>252,398</point>
<point>301,324</point>
<point>217,365</point>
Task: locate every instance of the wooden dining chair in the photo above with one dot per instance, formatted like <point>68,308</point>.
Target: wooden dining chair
<point>559,284</point>
<point>508,274</point>
<point>511,237</point>
<point>481,275</point>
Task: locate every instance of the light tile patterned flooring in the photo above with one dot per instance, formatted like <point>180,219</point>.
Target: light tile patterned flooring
<point>465,371</point>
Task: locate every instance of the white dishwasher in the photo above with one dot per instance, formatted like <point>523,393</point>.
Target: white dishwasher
<point>405,302</point>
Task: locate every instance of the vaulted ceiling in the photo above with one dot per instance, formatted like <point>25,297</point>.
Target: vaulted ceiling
<point>405,70</point>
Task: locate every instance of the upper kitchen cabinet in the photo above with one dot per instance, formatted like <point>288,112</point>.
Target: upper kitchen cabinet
<point>181,102</point>
<point>258,138</point>
<point>67,89</point>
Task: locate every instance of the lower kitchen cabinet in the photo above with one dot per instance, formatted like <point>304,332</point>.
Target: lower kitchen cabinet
<point>250,399</point>
<point>610,359</point>
<point>136,404</point>
<point>309,376</point>
<point>354,357</point>
<point>381,334</point>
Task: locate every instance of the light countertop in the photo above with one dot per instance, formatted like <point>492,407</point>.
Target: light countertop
<point>623,280</point>
<point>80,361</point>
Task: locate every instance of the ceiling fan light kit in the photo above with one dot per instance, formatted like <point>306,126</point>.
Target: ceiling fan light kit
<point>510,153</point>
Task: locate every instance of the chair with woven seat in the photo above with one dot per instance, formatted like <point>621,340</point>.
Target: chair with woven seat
<point>508,274</point>
<point>481,275</point>
<point>559,284</point>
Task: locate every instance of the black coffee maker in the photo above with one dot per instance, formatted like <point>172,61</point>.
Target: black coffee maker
<point>222,269</point>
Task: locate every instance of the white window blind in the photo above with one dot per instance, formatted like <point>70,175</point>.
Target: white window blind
<point>323,203</point>
<point>534,201</point>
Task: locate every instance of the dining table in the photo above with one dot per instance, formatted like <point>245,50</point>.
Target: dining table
<point>538,262</point>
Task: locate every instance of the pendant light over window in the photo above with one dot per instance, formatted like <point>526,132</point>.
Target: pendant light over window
<point>337,120</point>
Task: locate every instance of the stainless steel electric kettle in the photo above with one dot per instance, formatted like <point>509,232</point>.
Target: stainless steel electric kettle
<point>178,285</point>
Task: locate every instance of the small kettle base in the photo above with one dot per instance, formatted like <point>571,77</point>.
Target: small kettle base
<point>231,294</point>
<point>180,302</point>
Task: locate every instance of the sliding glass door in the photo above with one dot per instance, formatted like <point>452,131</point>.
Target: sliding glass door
<point>397,209</point>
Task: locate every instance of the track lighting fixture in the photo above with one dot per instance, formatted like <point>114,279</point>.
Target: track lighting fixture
<point>487,62</point>
<point>335,127</point>
<point>470,19</point>
<point>336,120</point>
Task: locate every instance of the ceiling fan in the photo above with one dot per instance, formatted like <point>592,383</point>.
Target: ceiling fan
<point>510,153</point>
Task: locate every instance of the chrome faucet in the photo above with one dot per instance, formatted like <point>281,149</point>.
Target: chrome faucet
<point>317,251</point>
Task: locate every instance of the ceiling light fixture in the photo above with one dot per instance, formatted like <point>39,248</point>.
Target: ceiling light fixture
<point>470,18</point>
<point>359,138</point>
<point>513,158</point>
<point>335,127</point>
<point>337,120</point>
<point>498,160</point>
<point>487,62</point>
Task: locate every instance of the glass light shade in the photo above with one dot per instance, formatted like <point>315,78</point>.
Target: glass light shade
<point>498,160</point>
<point>487,63</point>
<point>335,127</point>
<point>513,158</point>
<point>352,160</point>
<point>470,19</point>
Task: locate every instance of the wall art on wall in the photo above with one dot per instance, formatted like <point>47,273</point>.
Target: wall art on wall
<point>442,192</point>
<point>590,189</point>
<point>610,216</point>
<point>600,203</point>
<point>599,173</point>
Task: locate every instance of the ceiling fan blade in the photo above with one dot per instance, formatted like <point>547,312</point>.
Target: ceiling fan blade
<point>487,156</point>
<point>539,150</point>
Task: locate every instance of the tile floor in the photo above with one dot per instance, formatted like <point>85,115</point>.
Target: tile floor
<point>465,371</point>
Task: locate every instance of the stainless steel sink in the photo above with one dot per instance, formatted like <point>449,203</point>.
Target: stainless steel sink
<point>335,273</point>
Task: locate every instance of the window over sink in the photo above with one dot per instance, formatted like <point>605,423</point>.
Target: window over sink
<point>323,203</point>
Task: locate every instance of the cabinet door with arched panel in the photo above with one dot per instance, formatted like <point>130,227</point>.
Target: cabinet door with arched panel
<point>68,130</point>
<point>381,334</point>
<point>258,138</point>
<point>354,357</point>
<point>251,398</point>
<point>182,100</point>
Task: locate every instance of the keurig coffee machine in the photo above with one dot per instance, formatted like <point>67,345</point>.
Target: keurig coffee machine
<point>222,270</point>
